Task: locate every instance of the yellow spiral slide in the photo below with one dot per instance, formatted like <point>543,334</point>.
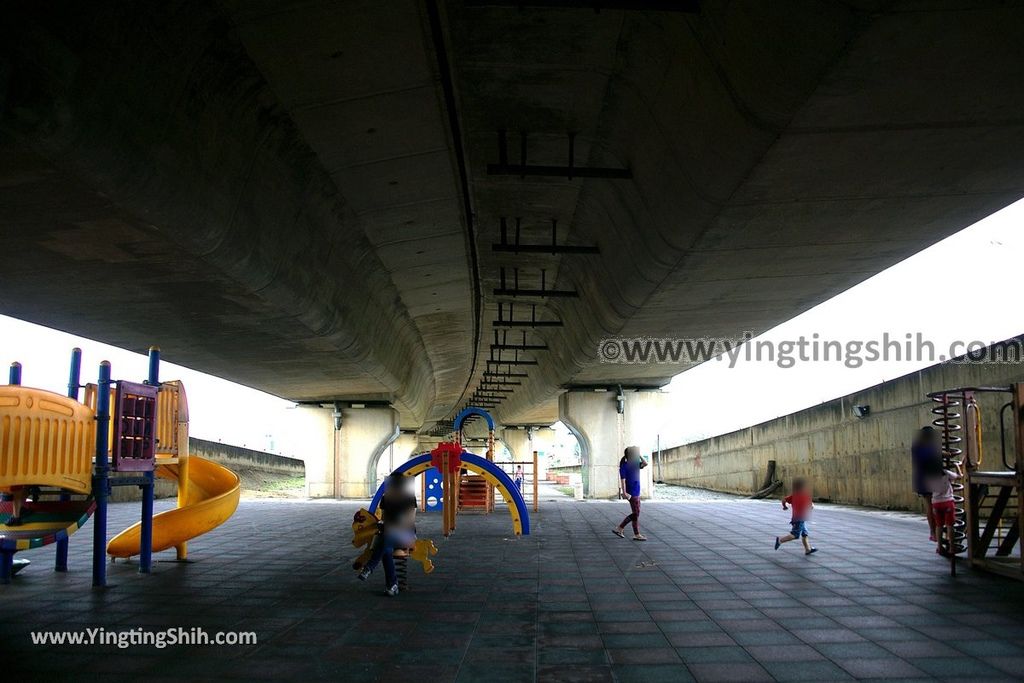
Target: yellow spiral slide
<point>211,498</point>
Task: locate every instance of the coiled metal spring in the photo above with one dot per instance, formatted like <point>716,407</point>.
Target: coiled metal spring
<point>948,421</point>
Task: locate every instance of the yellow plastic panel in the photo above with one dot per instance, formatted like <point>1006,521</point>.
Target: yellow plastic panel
<point>45,440</point>
<point>171,410</point>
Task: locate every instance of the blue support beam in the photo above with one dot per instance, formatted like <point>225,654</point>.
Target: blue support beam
<point>74,380</point>
<point>101,478</point>
<point>146,523</point>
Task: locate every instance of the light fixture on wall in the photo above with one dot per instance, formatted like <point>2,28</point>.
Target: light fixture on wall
<point>862,411</point>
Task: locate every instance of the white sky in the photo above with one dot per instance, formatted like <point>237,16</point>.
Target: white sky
<point>707,400</point>
<point>976,273</point>
<point>219,410</point>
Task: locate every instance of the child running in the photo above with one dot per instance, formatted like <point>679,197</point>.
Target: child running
<point>800,499</point>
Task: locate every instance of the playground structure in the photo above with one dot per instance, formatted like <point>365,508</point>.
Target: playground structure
<point>989,503</point>
<point>64,452</point>
<point>529,484</point>
<point>474,493</point>
<point>450,459</point>
<point>453,463</point>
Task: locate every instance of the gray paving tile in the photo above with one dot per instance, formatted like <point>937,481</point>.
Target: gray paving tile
<point>575,674</point>
<point>729,672</point>
<point>806,671</point>
<point>783,653</point>
<point>864,650</point>
<point>692,655</point>
<point>952,667</point>
<point>651,673</point>
<point>883,667</point>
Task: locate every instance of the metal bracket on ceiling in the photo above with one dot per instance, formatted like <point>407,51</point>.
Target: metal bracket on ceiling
<point>516,291</point>
<point>501,343</point>
<point>507,374</point>
<point>511,362</point>
<point>571,171</point>
<point>502,321</point>
<point>687,6</point>
<point>554,247</point>
<point>489,383</point>
<point>488,389</point>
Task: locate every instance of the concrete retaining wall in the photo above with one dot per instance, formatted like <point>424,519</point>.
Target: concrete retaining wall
<point>234,457</point>
<point>847,459</point>
<point>561,474</point>
<point>241,460</point>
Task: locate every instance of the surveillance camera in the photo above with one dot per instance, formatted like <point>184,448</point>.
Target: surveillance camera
<point>862,411</point>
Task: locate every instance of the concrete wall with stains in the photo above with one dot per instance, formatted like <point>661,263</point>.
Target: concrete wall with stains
<point>863,461</point>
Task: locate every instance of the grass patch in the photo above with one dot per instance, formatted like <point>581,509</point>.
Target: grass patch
<point>284,484</point>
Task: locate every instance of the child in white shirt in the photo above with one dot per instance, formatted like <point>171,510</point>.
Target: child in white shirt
<point>940,482</point>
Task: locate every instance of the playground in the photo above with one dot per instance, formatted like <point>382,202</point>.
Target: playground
<point>706,598</point>
<point>61,458</point>
<point>538,591</point>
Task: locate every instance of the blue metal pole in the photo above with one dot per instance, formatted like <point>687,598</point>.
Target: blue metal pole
<point>74,379</point>
<point>146,523</point>
<point>154,365</point>
<point>101,477</point>
<point>14,379</point>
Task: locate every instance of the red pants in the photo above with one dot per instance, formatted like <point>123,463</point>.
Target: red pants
<point>944,513</point>
<point>634,516</point>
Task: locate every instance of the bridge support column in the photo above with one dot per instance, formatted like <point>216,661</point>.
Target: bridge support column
<point>341,447</point>
<point>521,442</point>
<point>518,443</point>
<point>604,433</point>
<point>394,454</point>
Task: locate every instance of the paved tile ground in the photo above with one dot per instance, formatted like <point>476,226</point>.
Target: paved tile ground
<point>707,598</point>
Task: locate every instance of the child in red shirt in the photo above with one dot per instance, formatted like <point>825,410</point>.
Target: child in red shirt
<point>800,499</point>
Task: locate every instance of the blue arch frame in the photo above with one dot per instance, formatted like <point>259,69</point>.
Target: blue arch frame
<point>401,469</point>
<point>483,463</point>
<point>473,410</point>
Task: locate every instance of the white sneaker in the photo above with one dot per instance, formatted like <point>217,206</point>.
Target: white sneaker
<point>393,591</point>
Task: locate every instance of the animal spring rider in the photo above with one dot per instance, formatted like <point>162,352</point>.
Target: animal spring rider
<point>366,528</point>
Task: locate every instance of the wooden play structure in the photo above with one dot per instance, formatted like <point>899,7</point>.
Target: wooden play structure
<point>989,504</point>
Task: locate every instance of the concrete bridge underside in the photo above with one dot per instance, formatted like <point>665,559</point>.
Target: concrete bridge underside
<point>304,196</point>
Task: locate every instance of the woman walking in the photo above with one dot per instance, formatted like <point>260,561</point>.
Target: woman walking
<point>925,452</point>
<point>629,487</point>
